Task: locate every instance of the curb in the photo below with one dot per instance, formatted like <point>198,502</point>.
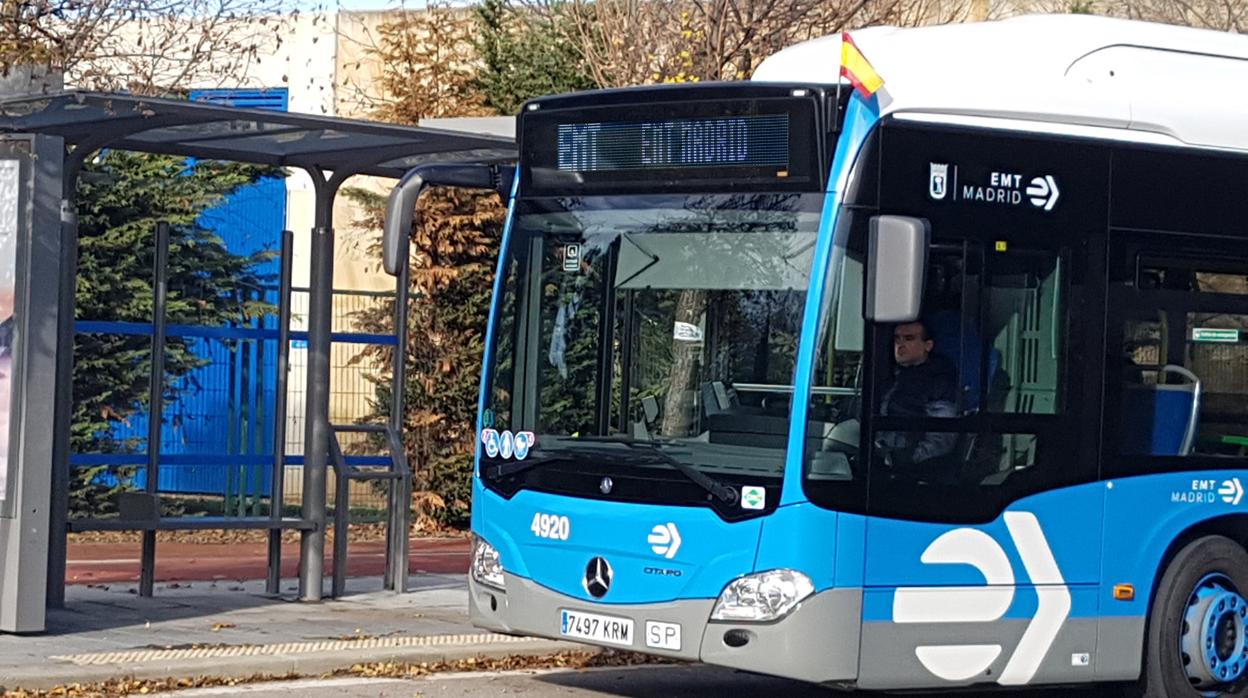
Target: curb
<point>251,660</point>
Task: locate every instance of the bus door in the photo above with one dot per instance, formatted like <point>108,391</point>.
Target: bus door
<point>982,547</point>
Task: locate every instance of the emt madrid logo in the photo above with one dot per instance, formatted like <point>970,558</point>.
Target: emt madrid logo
<point>989,602</point>
<point>998,188</point>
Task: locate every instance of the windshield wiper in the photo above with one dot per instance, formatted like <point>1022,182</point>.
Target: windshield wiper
<point>506,468</point>
<point>716,488</point>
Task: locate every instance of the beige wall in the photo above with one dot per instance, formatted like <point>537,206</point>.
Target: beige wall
<point>356,96</point>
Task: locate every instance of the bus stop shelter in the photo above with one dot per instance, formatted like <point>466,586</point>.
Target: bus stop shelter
<point>331,150</point>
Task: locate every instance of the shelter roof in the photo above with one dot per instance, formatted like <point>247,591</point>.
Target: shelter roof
<point>213,131</point>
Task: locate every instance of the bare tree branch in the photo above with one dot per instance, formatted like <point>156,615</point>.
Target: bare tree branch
<point>144,46</point>
<point>629,42</point>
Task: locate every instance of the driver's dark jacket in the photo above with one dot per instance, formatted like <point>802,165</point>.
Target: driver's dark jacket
<point>926,390</point>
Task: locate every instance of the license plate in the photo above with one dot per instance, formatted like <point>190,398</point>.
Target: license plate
<point>596,628</point>
<point>663,636</point>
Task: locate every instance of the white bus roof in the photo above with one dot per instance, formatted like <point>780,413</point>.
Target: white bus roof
<point>1057,73</point>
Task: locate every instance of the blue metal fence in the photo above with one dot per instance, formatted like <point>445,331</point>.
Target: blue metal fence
<point>221,407</point>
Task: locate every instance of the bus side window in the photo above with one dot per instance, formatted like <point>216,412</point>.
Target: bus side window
<point>1184,358</point>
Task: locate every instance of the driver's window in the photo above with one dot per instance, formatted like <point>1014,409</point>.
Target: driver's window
<point>832,424</point>
<point>838,365</point>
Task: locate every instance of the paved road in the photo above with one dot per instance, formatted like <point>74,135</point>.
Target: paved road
<point>636,682</point>
<point>100,563</point>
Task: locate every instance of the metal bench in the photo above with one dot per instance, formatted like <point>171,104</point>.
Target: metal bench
<point>193,523</point>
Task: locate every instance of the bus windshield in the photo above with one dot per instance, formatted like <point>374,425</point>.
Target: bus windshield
<point>653,332</point>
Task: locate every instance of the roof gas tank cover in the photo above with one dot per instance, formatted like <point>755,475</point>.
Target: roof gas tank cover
<point>1123,79</point>
<point>1188,96</point>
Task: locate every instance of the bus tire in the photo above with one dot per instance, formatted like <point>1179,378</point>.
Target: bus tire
<point>1198,605</point>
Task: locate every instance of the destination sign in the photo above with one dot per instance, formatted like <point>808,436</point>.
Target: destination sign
<point>760,140</point>
<point>712,138</point>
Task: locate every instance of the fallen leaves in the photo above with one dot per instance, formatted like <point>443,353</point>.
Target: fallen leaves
<point>118,688</point>
<point>514,662</point>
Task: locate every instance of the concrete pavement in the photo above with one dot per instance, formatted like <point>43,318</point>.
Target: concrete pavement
<point>233,629</point>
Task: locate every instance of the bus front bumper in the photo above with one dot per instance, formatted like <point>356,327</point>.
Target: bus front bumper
<point>817,641</point>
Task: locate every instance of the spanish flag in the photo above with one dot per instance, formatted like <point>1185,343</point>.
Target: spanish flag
<point>857,70</point>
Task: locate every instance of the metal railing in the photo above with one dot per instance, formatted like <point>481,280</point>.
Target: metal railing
<point>399,477</point>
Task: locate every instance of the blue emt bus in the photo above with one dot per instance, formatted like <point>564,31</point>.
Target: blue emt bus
<point>686,446</point>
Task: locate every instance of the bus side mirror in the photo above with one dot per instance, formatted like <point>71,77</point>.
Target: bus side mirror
<point>400,210</point>
<point>401,206</point>
<point>896,268</point>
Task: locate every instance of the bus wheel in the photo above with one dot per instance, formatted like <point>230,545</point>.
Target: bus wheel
<point>1197,644</point>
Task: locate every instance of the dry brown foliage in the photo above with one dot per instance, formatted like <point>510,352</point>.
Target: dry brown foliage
<point>421,64</point>
<point>129,687</point>
<point>560,660</point>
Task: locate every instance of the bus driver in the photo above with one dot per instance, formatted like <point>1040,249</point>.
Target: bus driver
<point>923,385</point>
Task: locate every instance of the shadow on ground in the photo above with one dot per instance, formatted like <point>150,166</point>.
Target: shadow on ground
<point>698,681</point>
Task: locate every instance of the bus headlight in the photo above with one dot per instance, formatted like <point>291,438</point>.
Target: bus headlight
<point>486,567</point>
<point>764,596</point>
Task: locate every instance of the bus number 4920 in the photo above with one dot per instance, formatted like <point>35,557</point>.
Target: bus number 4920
<point>551,526</point>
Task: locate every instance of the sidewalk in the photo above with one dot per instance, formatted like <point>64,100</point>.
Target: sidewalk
<point>233,629</point>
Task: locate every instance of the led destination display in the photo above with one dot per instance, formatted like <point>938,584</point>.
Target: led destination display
<point>714,138</point>
<point>744,141</point>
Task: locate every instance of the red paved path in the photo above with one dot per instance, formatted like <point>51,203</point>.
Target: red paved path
<point>94,563</point>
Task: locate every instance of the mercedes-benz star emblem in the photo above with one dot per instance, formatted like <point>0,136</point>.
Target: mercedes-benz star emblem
<point>606,485</point>
<point>597,577</point>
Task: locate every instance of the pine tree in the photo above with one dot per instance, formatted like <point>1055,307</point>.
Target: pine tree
<point>523,55</point>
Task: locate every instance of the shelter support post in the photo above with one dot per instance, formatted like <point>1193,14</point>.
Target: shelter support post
<point>317,433</point>
<point>156,402</point>
<point>63,410</point>
<point>277,489</point>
